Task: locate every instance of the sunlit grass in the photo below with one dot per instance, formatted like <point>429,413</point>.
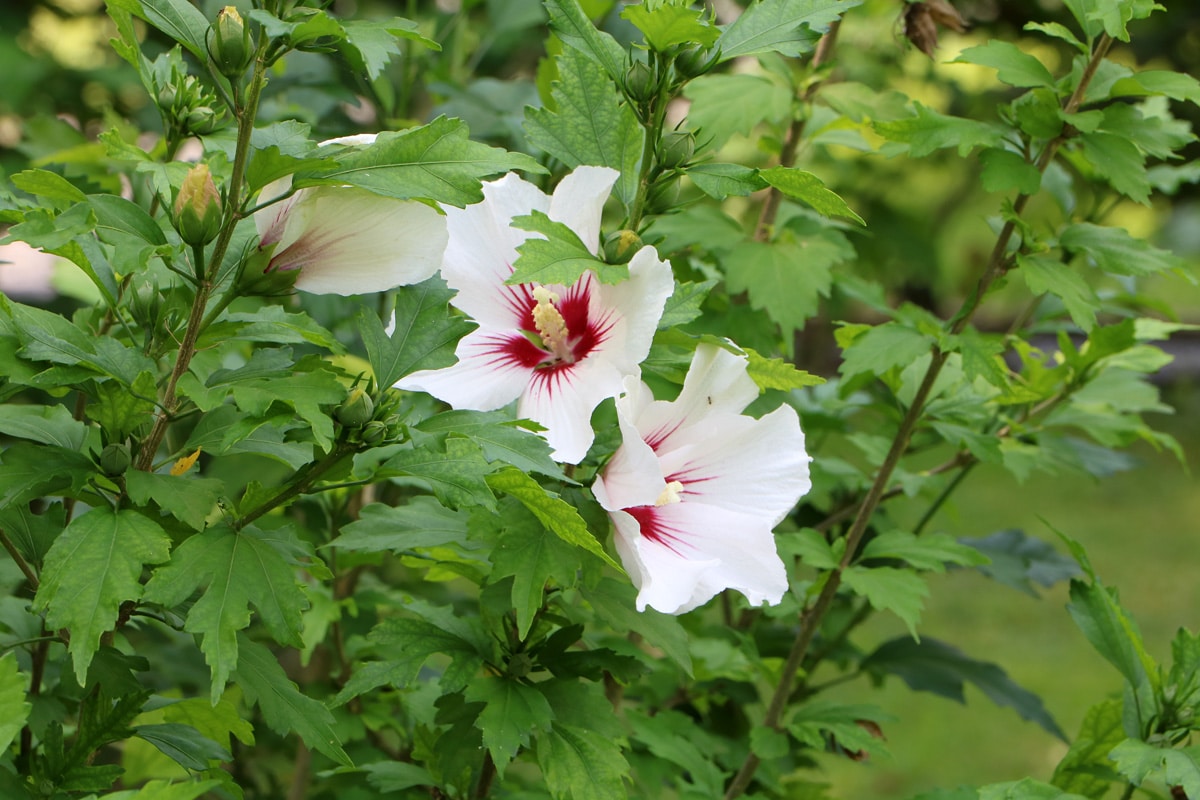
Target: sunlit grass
<point>1142,531</point>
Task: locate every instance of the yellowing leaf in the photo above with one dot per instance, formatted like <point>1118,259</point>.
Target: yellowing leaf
<point>185,463</point>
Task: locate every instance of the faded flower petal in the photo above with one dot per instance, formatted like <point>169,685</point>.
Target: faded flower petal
<point>696,487</point>
<point>345,240</point>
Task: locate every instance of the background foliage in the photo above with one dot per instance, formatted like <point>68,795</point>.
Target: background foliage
<point>304,612</point>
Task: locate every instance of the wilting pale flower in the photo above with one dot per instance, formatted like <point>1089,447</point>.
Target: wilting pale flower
<point>696,487</point>
<point>345,240</point>
<point>560,349</point>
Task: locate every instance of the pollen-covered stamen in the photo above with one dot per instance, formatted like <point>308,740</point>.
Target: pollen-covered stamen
<point>551,326</point>
<point>670,494</point>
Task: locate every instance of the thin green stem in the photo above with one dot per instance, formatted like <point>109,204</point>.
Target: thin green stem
<point>26,570</point>
<point>302,481</point>
<point>810,619</point>
<point>195,324</point>
<point>943,496</point>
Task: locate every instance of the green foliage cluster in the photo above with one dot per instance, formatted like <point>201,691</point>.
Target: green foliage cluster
<point>245,566</point>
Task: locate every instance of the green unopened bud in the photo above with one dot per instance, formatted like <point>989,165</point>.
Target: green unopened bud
<point>115,459</point>
<point>639,82</point>
<point>676,149</point>
<point>202,120</point>
<point>619,246</point>
<point>374,432</point>
<point>198,208</point>
<point>229,43</point>
<point>696,61</point>
<point>357,410</point>
<point>257,279</point>
<point>520,665</point>
<point>663,196</point>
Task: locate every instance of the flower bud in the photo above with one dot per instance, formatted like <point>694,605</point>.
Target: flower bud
<point>619,246</point>
<point>198,208</point>
<point>663,196</point>
<point>229,43</point>
<point>676,149</point>
<point>257,279</point>
<point>639,82</point>
<point>696,61</point>
<point>374,432</point>
<point>115,459</point>
<point>357,409</point>
<point>202,120</point>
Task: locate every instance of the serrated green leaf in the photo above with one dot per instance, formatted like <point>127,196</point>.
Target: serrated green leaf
<point>373,43</point>
<point>934,666</point>
<point>32,534</point>
<point>424,335</point>
<point>165,790</point>
<point>456,474</point>
<point>284,707</point>
<point>271,323</point>
<point>888,589</point>
<point>816,720</point>
<point>179,20</point>
<point>1057,30</point>
<point>1118,161</point>
<point>189,500</point>
<point>501,439</point>
<point>683,305</point>
<point>613,602</point>
<point>218,722</point>
<point>435,162</point>
<point>723,105</point>
<point>406,644</point>
<point>1113,250</point>
<point>305,390</point>
<point>1004,170</point>
<point>1086,768</point>
<point>589,124</point>
<point>116,215</point>
<point>270,164</point>
<point>559,258</point>
<point>580,764</point>
<point>884,347</point>
<point>775,373</point>
<point>1043,273</point>
<point>1025,789</point>
<point>808,188</point>
<point>1175,85</point>
<point>30,471</point>
<point>1013,66</point>
<point>572,25</point>
<point>183,744</point>
<point>788,27</point>
<point>13,708</point>
<point>92,568</point>
<point>666,24</point>
<point>512,713</point>
<point>237,570</point>
<point>50,186</point>
<point>46,424</point>
<point>720,181</point>
<point>1139,761</point>
<point>557,515</point>
<point>786,278</point>
<point>120,410</point>
<point>531,553</point>
<point>1019,560</point>
<point>421,522</point>
<point>928,131</point>
<point>1112,632</point>
<point>930,552</point>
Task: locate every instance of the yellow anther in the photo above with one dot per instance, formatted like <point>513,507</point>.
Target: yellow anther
<point>550,323</point>
<point>670,494</point>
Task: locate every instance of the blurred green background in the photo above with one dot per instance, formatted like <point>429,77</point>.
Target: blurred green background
<point>927,232</point>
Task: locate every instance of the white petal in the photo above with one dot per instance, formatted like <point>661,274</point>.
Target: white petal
<point>633,476</point>
<point>349,241</point>
<point>578,202</point>
<point>755,467</point>
<point>701,550</point>
<point>482,380</point>
<point>638,306</point>
<point>272,220</point>
<point>483,247</point>
<point>562,400</point>
<point>353,139</point>
<point>664,581</point>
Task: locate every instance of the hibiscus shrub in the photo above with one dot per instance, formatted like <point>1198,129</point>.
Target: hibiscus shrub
<point>413,464</point>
